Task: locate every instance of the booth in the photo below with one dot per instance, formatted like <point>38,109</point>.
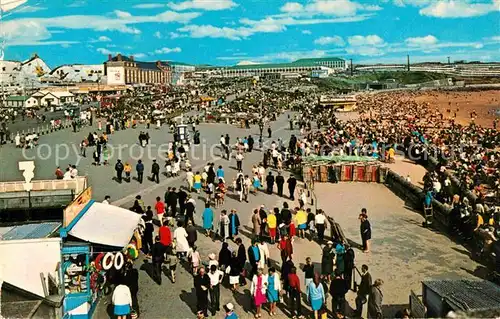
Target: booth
<point>96,241</point>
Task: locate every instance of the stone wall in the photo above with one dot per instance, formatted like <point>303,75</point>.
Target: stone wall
<point>414,197</point>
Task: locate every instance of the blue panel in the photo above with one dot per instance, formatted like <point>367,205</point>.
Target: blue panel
<point>31,231</point>
<point>69,250</point>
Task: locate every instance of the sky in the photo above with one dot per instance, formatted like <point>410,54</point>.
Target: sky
<point>228,32</point>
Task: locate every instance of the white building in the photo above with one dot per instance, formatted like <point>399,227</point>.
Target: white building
<point>75,73</point>
<point>302,67</point>
<point>57,98</point>
<point>15,75</point>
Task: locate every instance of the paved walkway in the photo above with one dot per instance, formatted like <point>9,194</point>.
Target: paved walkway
<point>404,167</point>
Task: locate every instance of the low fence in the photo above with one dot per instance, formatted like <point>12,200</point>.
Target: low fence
<point>40,130</point>
<point>77,185</point>
<point>414,197</point>
<point>375,173</point>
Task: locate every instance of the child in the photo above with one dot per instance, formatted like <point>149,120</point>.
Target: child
<point>195,260</point>
<point>168,167</point>
<point>172,264</point>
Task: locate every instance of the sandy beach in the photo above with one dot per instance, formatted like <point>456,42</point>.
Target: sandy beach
<point>483,103</point>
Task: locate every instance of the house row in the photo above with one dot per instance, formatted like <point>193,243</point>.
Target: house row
<point>40,99</point>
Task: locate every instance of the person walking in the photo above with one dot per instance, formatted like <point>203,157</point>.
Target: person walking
<point>258,290</point>
<point>273,290</point>
<point>327,260</point>
<point>119,170</point>
<point>270,183</point>
<point>320,224</point>
<point>254,256</point>
<point>208,220</point>
<point>190,210</point>
<point>256,222</point>
<point>160,209</point>
<point>131,279</point>
<point>202,286</point>
<point>292,183</point>
<point>155,172</point>
<point>122,301</point>
<point>234,224</point>
<point>316,295</point>
<point>375,299</point>
<point>216,277</point>
<point>338,289</point>
<point>295,297</point>
<point>366,232</point>
<point>285,247</point>
<point>280,181</point>
<point>363,290</point>
<point>147,236</point>
<point>192,233</point>
<point>158,257</point>
<point>139,168</point>
<point>239,161</point>
<point>127,169</point>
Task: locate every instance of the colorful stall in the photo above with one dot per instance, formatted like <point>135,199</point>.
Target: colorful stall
<point>96,238</point>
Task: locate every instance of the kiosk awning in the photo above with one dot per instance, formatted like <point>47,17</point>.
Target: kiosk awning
<point>106,225</point>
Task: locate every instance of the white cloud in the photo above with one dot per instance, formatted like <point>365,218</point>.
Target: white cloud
<point>103,38</point>
<point>148,6</point>
<point>104,51</point>
<point>38,29</point>
<point>122,14</point>
<point>157,35</point>
<point>421,41</point>
<point>369,40</point>
<point>209,5</point>
<point>174,35</point>
<point>420,3</point>
<point>339,8</point>
<point>459,9</point>
<point>306,32</point>
<point>335,40</point>
<point>168,50</point>
<point>139,55</point>
<point>292,7</point>
<point>210,31</point>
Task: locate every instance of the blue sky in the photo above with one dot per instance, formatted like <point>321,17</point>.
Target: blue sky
<point>227,32</point>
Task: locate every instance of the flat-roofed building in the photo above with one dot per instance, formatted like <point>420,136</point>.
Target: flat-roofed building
<point>122,70</point>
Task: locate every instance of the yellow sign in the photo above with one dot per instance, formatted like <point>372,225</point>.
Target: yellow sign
<point>76,206</point>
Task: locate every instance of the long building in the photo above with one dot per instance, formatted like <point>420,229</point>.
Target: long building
<point>302,66</point>
<point>126,70</point>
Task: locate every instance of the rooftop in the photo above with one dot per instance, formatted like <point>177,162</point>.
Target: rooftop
<point>297,63</point>
<point>30,231</point>
<point>21,98</point>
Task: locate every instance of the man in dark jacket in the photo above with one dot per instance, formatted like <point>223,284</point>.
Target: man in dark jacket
<point>158,257</point>
<point>280,181</point>
<point>182,196</point>
<point>155,172</point>
<point>292,183</point>
<point>270,183</point>
<point>363,290</point>
<point>250,143</point>
<point>192,234</point>
<point>254,257</point>
<point>119,170</point>
<point>242,257</point>
<point>338,289</point>
<point>190,210</point>
<point>140,171</point>
<point>172,203</point>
